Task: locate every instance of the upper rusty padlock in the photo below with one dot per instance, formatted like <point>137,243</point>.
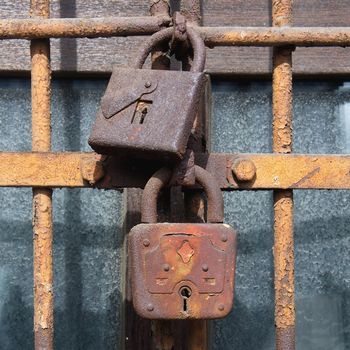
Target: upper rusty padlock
<point>182,270</point>
<point>150,113</point>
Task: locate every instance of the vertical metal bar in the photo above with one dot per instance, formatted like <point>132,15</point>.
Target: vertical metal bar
<point>283,200</point>
<point>42,198</point>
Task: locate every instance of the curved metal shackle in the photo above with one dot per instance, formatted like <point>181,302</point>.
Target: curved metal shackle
<point>166,34</point>
<point>160,179</point>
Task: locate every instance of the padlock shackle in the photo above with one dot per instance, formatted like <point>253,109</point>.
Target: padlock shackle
<point>166,34</point>
<point>215,211</point>
<point>161,178</point>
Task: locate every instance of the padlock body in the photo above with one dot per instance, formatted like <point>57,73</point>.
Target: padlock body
<point>181,271</point>
<point>147,113</point>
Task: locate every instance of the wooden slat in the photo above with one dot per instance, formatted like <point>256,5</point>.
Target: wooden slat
<point>99,55</point>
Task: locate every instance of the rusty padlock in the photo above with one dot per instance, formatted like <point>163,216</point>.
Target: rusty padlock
<point>149,113</point>
<point>182,270</point>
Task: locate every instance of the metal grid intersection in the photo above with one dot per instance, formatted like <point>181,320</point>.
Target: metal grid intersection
<point>44,170</point>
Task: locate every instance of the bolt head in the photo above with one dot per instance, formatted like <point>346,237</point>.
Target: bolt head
<point>92,170</point>
<point>148,84</point>
<point>150,307</point>
<point>243,169</point>
<point>221,307</point>
<point>146,242</point>
<point>166,267</point>
<point>224,237</point>
<point>205,267</point>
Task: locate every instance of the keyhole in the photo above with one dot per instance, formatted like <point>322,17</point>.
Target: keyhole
<point>141,111</point>
<point>185,293</point>
<point>143,114</point>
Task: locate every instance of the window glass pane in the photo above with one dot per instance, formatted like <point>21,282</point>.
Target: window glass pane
<point>251,324</point>
<point>242,123</point>
<point>87,231</point>
<point>322,274</point>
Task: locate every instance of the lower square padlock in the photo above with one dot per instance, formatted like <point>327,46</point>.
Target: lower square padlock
<point>182,271</point>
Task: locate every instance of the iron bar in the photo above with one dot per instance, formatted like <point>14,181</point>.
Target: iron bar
<point>273,171</point>
<point>130,26</point>
<point>42,198</point>
<point>80,27</point>
<point>274,36</point>
<point>283,200</point>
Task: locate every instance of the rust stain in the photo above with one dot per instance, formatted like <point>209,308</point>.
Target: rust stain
<point>306,177</point>
<point>282,100</point>
<point>282,12</point>
<point>284,259</point>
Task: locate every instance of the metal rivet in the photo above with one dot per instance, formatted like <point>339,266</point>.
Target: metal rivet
<point>148,84</point>
<point>146,242</point>
<point>221,307</point>
<point>224,237</point>
<point>243,169</point>
<point>166,267</point>
<point>205,267</point>
<point>150,307</point>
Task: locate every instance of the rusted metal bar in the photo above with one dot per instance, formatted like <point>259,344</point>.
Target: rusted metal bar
<point>80,27</point>
<point>42,198</point>
<point>283,200</point>
<point>130,26</point>
<point>271,171</point>
<point>274,36</point>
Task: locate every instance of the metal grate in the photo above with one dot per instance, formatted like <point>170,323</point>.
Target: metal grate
<point>44,170</point>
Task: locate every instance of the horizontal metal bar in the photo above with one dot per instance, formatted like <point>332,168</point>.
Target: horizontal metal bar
<point>214,36</point>
<point>273,36</point>
<point>269,171</point>
<point>80,27</point>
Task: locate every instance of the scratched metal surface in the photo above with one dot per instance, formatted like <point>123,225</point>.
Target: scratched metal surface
<point>242,123</point>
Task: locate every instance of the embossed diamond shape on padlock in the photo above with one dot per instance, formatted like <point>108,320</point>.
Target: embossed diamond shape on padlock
<point>182,270</point>
<point>150,113</point>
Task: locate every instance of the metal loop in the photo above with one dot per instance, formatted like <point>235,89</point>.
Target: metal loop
<point>161,178</point>
<point>164,35</point>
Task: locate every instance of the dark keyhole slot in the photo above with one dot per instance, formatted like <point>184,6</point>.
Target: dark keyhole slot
<point>141,111</point>
<point>143,115</point>
<point>185,293</point>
